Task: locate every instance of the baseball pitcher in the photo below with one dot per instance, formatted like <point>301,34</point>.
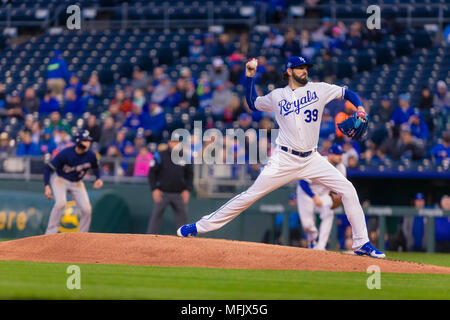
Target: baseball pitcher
<point>64,174</point>
<point>311,196</point>
<point>298,111</point>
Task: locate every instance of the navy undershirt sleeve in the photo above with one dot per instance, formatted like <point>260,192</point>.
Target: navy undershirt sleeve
<point>305,186</point>
<point>95,167</point>
<point>52,166</point>
<point>47,172</point>
<point>250,93</point>
<point>352,97</point>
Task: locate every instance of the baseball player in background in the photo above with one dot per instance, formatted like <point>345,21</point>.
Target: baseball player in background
<point>314,196</point>
<point>298,111</point>
<point>64,174</point>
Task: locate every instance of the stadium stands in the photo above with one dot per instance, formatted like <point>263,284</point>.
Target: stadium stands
<point>394,63</point>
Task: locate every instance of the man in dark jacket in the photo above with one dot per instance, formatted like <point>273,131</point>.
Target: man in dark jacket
<point>31,102</point>
<point>172,184</point>
<point>383,113</point>
<point>405,146</point>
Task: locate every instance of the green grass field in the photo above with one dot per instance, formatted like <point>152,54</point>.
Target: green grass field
<point>26,280</point>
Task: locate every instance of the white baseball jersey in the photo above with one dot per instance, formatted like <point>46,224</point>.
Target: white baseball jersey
<point>319,189</point>
<point>299,112</point>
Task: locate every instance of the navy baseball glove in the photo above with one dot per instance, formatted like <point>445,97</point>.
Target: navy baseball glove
<point>355,126</point>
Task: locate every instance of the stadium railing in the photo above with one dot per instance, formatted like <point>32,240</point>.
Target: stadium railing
<point>211,180</point>
<point>381,213</point>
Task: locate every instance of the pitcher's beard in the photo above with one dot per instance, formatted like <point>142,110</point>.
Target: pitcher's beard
<point>301,80</point>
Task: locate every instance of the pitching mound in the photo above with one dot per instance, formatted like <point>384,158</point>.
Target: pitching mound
<point>155,250</point>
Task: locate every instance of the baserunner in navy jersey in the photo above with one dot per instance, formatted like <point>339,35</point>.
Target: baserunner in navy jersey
<point>64,174</point>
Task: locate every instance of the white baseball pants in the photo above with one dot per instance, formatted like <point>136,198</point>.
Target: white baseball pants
<point>282,168</point>
<point>306,206</point>
<point>77,190</point>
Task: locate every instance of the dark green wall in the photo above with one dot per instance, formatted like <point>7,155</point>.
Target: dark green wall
<point>252,224</point>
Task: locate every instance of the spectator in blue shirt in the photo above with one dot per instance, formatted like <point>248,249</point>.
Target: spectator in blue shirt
<point>335,41</point>
<point>204,95</point>
<point>93,89</point>
<point>74,104</point>
<point>26,147</point>
<point>135,120</point>
<point>173,99</point>
<point>155,123</point>
<point>128,152</point>
<point>354,38</point>
<point>403,111</point>
<point>48,104</point>
<point>419,128</point>
<point>209,45</point>
<point>47,144</point>
<point>196,48</point>
<point>274,40</point>
<point>75,83</point>
<point>120,140</point>
<point>58,75</point>
<point>441,151</point>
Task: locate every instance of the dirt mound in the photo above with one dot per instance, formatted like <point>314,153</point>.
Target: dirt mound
<point>155,250</point>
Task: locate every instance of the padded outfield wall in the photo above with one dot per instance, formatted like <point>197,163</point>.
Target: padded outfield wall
<point>126,208</point>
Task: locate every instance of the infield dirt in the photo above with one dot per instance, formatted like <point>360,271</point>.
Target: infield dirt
<point>159,250</point>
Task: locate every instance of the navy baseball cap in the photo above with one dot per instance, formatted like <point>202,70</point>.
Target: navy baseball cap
<point>419,196</point>
<point>244,116</point>
<point>297,61</point>
<point>83,135</point>
<point>336,149</point>
<point>292,196</point>
<point>404,96</point>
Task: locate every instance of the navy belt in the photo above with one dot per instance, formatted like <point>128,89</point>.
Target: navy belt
<point>297,153</point>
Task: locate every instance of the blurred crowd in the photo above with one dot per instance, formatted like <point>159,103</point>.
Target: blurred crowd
<point>138,113</point>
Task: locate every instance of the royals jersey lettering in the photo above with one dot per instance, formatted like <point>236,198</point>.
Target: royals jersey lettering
<point>299,112</point>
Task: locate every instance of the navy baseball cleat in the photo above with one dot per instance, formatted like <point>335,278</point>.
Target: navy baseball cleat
<point>312,244</point>
<point>371,251</point>
<point>187,230</point>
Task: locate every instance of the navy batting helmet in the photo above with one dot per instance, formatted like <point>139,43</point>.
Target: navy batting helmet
<point>82,135</point>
